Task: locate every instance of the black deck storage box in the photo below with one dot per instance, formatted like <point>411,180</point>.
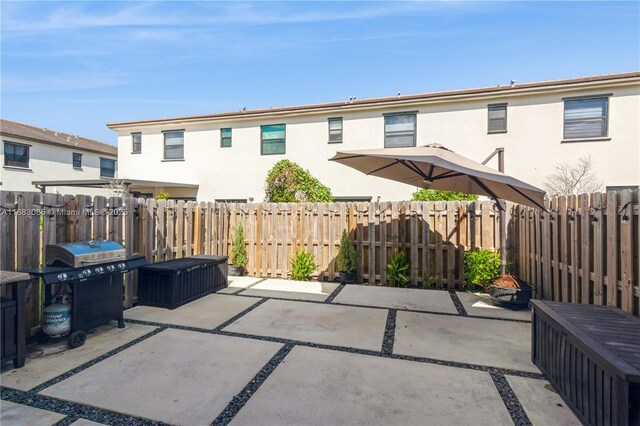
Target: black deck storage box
<point>591,356</point>
<point>175,282</point>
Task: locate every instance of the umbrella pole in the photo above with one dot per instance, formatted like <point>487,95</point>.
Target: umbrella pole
<point>503,216</point>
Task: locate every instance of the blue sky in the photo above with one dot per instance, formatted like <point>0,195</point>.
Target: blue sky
<point>74,66</point>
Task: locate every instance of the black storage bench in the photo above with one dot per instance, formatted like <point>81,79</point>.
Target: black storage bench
<point>175,282</point>
<point>12,317</point>
<point>591,356</point>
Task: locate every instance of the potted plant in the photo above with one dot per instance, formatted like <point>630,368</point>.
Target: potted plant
<point>346,260</point>
<point>481,267</point>
<point>238,253</point>
<point>303,265</point>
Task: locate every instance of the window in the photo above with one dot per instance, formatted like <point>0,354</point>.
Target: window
<point>335,130</point>
<point>77,160</point>
<point>497,118</point>
<point>399,130</point>
<point>585,117</point>
<point>225,138</point>
<point>174,145</point>
<point>273,139</point>
<point>16,155</point>
<point>107,167</point>
<point>136,143</point>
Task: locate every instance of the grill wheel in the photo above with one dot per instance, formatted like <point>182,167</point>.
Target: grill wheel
<point>77,339</point>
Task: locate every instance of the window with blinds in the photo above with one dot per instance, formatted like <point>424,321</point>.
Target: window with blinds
<point>335,130</point>
<point>497,118</point>
<point>399,130</point>
<point>585,118</point>
<point>16,155</point>
<point>136,143</point>
<point>174,145</point>
<point>107,167</point>
<point>77,160</point>
<point>273,139</point>
<point>225,138</point>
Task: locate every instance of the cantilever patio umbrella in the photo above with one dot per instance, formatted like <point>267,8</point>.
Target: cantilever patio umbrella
<point>436,167</point>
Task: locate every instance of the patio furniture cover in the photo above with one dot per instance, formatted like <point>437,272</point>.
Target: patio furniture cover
<point>436,167</point>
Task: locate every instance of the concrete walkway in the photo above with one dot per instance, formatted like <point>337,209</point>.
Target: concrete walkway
<point>275,352</point>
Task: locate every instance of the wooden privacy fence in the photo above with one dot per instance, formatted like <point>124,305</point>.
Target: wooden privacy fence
<point>433,234</point>
<point>583,250</point>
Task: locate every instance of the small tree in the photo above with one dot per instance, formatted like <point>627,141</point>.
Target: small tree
<point>162,196</point>
<point>438,195</point>
<point>117,187</point>
<point>287,182</point>
<point>239,252</point>
<point>568,179</point>
<point>347,255</point>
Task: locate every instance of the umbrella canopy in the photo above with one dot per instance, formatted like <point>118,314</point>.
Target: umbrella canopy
<point>436,167</point>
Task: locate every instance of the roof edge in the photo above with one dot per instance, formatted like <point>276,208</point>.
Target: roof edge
<point>372,102</point>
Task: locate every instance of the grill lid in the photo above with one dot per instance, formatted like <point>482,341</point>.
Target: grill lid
<point>84,253</point>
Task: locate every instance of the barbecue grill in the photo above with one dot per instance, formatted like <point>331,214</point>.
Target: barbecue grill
<point>93,272</point>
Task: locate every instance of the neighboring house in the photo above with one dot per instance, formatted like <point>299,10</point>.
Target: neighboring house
<point>538,124</point>
<point>32,153</point>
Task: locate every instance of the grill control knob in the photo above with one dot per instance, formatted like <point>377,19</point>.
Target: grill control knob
<point>111,268</point>
<point>121,266</point>
<point>86,272</point>
<point>62,277</point>
<point>99,269</point>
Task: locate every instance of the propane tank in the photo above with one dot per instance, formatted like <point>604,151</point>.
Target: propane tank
<point>56,318</point>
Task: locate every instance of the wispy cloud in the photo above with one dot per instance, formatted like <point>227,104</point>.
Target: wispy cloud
<point>53,83</point>
<point>150,14</point>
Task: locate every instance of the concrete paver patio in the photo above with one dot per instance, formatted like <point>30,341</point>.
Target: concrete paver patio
<point>398,298</point>
<point>191,372</point>
<point>41,369</point>
<point>207,312</point>
<point>361,328</point>
<point>176,376</point>
<point>19,415</point>
<point>288,289</point>
<point>487,342</point>
<point>482,306</point>
<point>321,387</point>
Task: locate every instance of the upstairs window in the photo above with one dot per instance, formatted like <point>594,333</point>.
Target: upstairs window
<point>16,155</point>
<point>497,118</point>
<point>335,130</point>
<point>136,143</point>
<point>585,117</point>
<point>273,139</point>
<point>225,138</point>
<point>399,130</point>
<point>107,167</point>
<point>174,145</point>
<point>77,160</point>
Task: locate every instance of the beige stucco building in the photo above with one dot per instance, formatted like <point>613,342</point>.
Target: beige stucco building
<point>33,154</point>
<point>538,124</point>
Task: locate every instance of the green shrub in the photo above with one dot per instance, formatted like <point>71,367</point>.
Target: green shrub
<point>428,281</point>
<point>239,251</point>
<point>162,196</point>
<point>302,265</point>
<point>397,270</point>
<point>438,195</point>
<point>347,255</point>
<point>481,267</point>
<point>287,182</point>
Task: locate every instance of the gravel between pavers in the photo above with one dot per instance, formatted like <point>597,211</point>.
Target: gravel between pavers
<point>459,306</point>
<point>510,400</point>
<point>389,333</point>
<point>243,396</point>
